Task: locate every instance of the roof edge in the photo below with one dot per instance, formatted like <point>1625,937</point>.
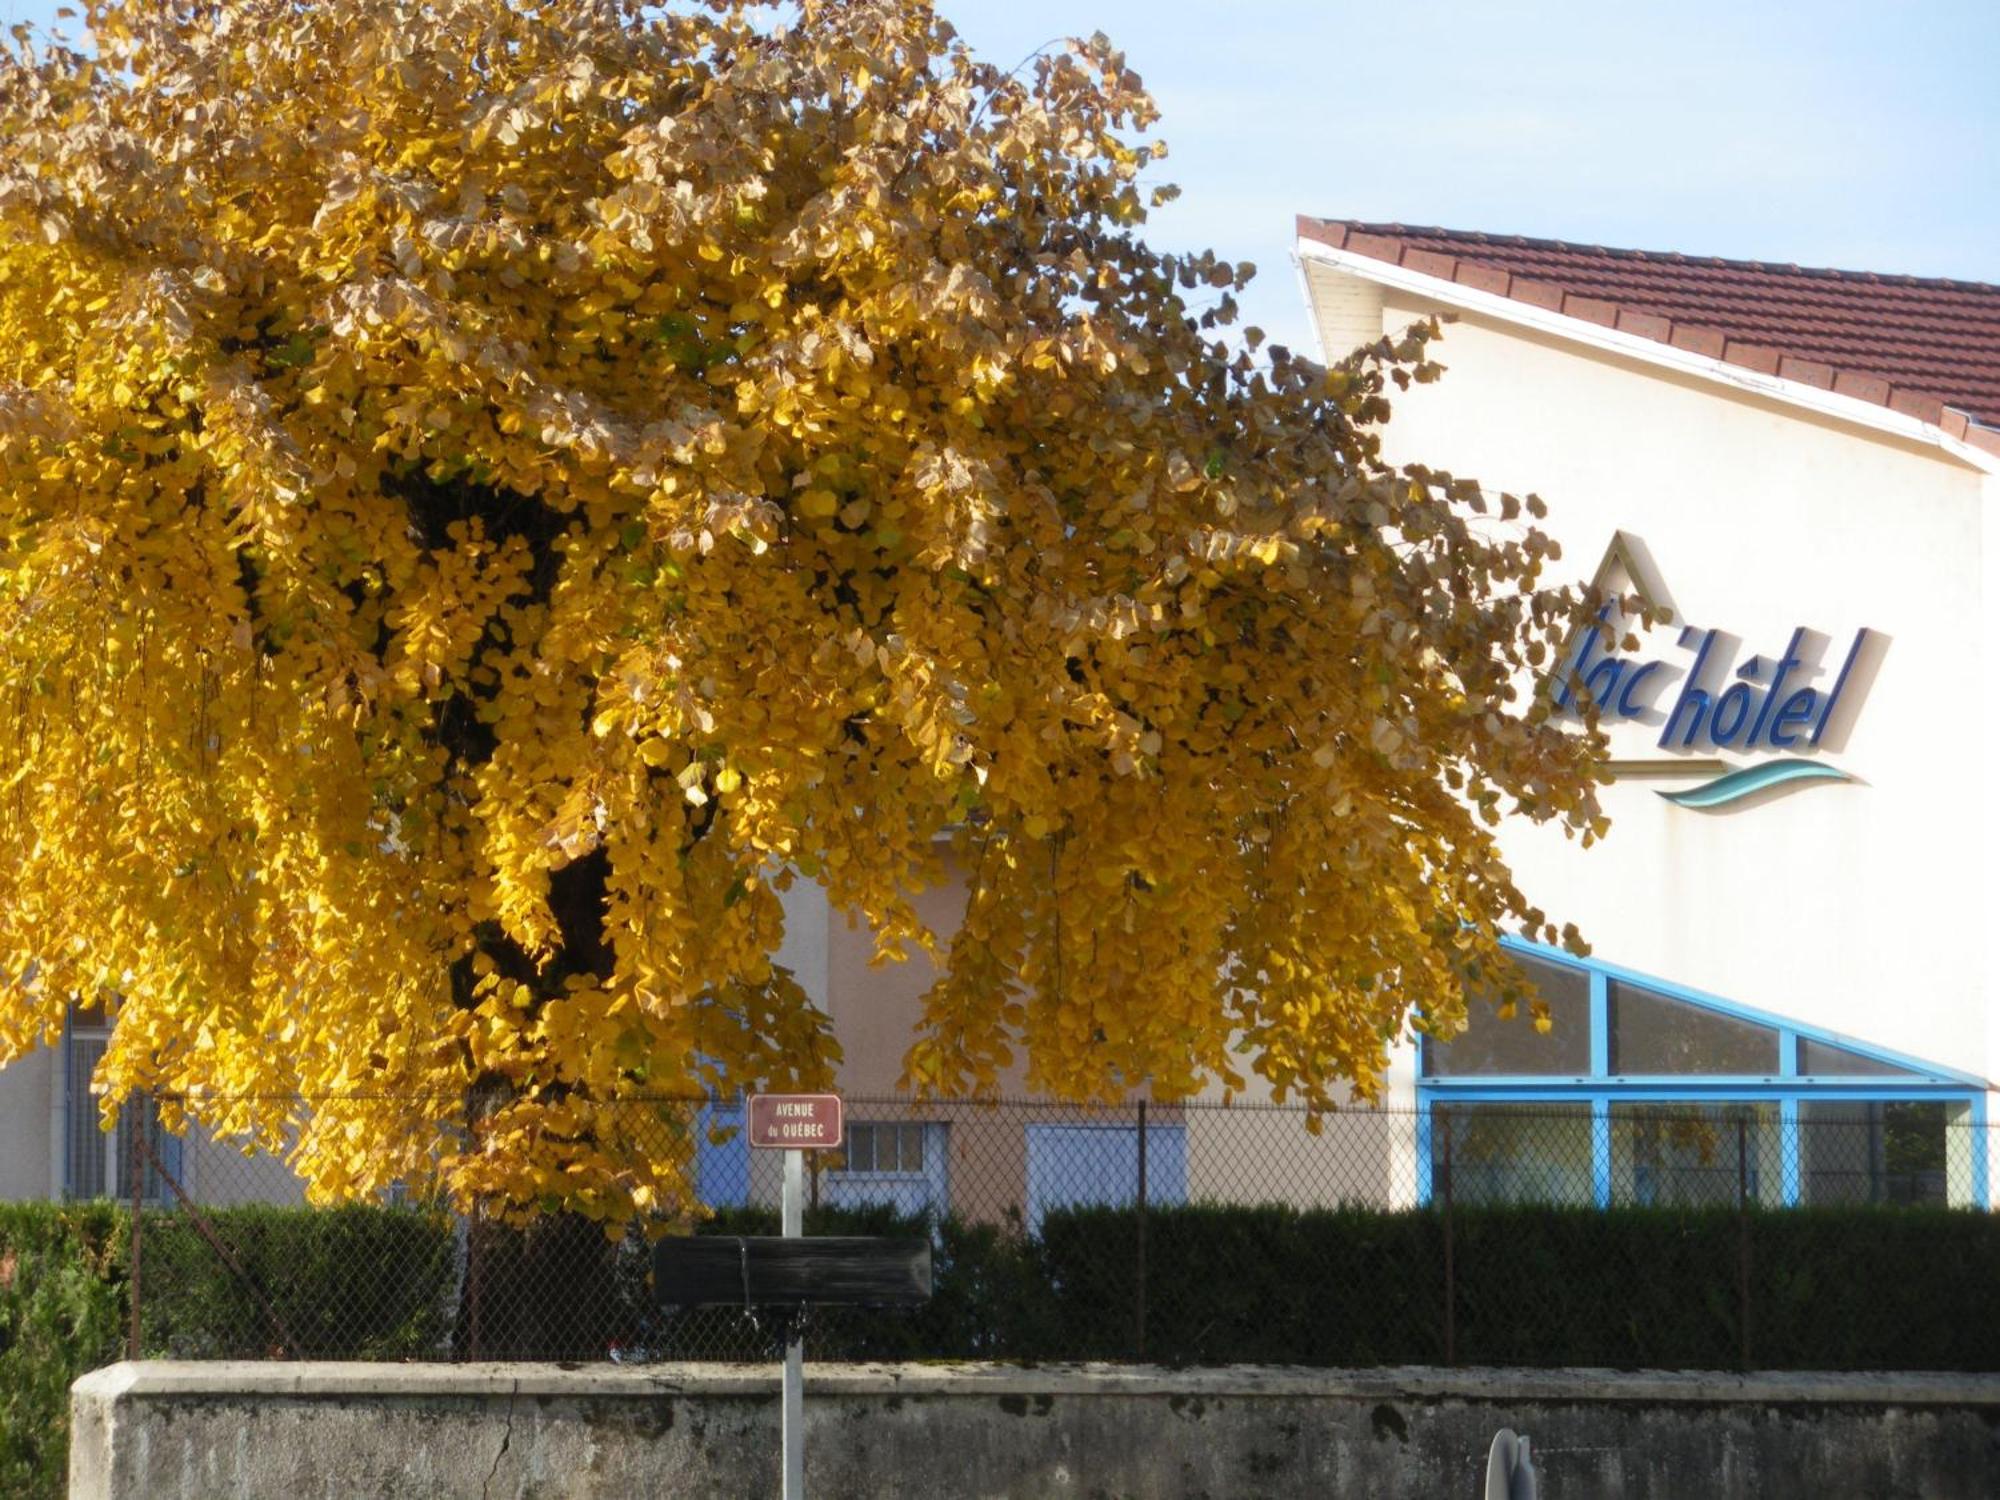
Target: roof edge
<point>1652,257</point>
<point>1856,395</point>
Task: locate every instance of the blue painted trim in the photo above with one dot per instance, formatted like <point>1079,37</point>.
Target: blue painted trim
<point>1693,1087</point>
<point>1733,786</point>
<point>1982,1146</point>
<point>1600,1150</point>
<point>1925,1071</point>
<point>1600,1024</point>
<point>1423,1151</point>
<point>1791,1148</point>
<point>1691,1090</point>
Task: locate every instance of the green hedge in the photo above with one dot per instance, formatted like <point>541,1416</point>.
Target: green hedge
<point>1862,1288</point>
<point>356,1282</point>
<point>1263,1284</point>
<point>351,1283</point>
<point>1633,1288</point>
<point>62,1312</point>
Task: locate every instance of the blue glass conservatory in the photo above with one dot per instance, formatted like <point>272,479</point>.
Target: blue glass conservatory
<point>1646,1092</point>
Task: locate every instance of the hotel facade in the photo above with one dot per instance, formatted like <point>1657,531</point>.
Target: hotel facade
<point>1792,915</point>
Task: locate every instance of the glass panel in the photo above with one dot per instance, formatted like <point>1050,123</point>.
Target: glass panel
<point>84,1150</point>
<point>880,1146</point>
<point>860,1148</point>
<point>1490,1046</point>
<point>165,1150</point>
<point>1511,1153</point>
<point>1652,1034</point>
<point>1824,1060</point>
<point>1683,1155</point>
<point>1891,1152</point>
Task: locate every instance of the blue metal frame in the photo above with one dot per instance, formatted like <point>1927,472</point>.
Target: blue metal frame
<point>1787,1088</point>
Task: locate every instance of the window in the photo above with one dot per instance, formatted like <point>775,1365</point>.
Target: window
<point>1892,1151</point>
<point>902,1164</point>
<point>1692,1155</point>
<point>1491,1046</point>
<point>1824,1060</point>
<point>1653,1034</point>
<point>1648,1095</point>
<point>1512,1153</point>
<point>87,1154</point>
<point>96,1164</point>
<point>166,1151</point>
<point>884,1148</point>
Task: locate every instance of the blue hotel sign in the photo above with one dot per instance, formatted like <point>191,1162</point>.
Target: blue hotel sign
<point>1764,708</point>
<point>1762,704</point>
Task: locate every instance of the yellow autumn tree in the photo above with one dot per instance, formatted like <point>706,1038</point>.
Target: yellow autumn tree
<point>491,491</point>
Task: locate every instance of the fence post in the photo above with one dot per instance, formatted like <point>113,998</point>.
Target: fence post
<point>135,1169</point>
<point>1743,1239</point>
<point>1450,1270</point>
<point>1139,1290</point>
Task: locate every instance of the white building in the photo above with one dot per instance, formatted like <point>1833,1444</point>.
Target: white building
<point>1790,915</point>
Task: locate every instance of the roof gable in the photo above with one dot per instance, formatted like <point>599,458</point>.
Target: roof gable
<point>1924,347</point>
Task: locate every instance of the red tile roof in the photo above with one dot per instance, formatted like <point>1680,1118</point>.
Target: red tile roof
<point>1926,347</point>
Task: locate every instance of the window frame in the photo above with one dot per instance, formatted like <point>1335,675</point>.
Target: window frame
<point>116,1153</point>
<point>897,1173</point>
<point>1788,1088</point>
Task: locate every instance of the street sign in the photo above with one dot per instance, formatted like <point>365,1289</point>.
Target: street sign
<point>796,1122</point>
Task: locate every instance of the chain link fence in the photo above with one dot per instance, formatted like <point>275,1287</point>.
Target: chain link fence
<point>1847,1235</point>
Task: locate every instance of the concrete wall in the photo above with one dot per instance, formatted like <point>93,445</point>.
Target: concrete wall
<point>900,1432</point>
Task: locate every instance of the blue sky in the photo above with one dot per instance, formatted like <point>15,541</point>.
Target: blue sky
<point>1825,132</point>
<point>1822,132</point>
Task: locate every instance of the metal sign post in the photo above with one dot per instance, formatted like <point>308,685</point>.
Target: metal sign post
<point>795,1124</point>
<point>793,1422</point>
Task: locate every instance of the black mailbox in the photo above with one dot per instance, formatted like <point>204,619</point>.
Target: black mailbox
<point>762,1271</point>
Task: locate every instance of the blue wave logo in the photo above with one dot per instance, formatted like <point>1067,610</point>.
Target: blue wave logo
<point>1736,785</point>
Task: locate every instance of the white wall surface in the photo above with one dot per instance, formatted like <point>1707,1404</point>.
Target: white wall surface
<point>28,1090</point>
